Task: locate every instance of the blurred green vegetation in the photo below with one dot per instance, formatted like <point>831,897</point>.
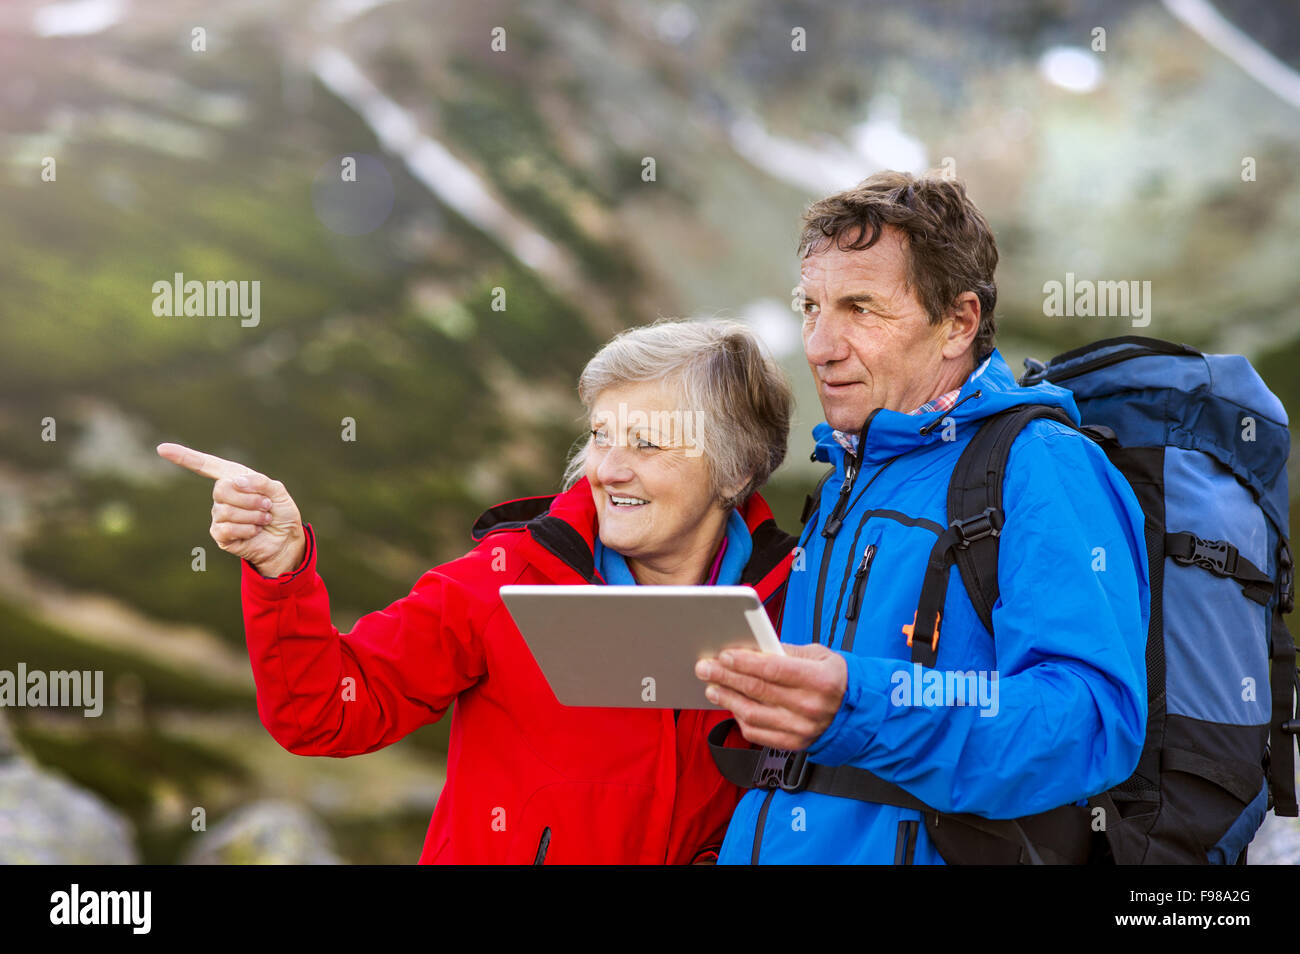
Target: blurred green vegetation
<point>45,647</point>
<point>456,405</point>
<point>494,117</point>
<point>126,768</point>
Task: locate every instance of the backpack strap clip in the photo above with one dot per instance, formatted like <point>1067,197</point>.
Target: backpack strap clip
<point>909,631</point>
<point>1223,559</point>
<point>978,527</point>
<point>780,768</point>
<point>1217,556</point>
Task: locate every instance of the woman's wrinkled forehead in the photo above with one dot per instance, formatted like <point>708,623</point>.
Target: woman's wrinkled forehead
<point>652,410</point>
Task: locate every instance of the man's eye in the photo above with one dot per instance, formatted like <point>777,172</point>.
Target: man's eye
<point>600,439</point>
<point>862,309</point>
<point>644,444</point>
<point>809,307</point>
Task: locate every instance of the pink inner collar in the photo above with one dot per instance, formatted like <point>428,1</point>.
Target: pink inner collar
<point>717,564</point>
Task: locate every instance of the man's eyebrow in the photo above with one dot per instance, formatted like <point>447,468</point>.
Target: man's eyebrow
<point>865,296</point>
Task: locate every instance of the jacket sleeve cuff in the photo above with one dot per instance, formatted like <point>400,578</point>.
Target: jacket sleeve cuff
<point>286,585</point>
<point>861,712</point>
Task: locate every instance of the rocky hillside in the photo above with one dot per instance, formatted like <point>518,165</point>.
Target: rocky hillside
<point>534,176</point>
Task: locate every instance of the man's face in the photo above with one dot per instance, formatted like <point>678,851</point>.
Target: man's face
<point>868,340</point>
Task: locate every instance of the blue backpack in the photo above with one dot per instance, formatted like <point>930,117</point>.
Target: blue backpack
<point>1204,445</point>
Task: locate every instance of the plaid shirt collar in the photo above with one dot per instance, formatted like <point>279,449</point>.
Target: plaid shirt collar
<point>943,402</point>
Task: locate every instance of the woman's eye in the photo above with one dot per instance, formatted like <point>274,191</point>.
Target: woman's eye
<point>601,439</point>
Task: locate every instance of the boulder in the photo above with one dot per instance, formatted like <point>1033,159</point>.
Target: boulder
<point>265,833</point>
<point>47,820</point>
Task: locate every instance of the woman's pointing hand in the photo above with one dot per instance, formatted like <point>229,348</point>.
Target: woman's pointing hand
<point>253,516</point>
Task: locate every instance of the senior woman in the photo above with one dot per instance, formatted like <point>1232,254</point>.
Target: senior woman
<point>687,421</point>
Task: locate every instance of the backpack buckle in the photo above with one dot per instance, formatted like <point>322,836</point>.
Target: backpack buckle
<point>1286,579</point>
<point>909,630</point>
<point>1035,371</point>
<point>1217,556</point>
<point>986,524</point>
<point>776,768</point>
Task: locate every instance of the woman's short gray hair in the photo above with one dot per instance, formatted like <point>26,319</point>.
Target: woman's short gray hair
<point>738,394</point>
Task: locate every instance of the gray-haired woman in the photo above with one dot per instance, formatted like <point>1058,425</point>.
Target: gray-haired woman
<point>687,421</point>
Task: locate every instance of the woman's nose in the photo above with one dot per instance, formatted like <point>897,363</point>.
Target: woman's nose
<point>614,465</point>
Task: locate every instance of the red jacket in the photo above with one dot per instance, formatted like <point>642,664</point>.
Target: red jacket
<point>527,778</point>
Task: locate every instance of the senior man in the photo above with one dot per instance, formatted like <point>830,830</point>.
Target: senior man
<point>898,293</point>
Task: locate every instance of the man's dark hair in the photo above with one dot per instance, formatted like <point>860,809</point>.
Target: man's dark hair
<point>949,243</point>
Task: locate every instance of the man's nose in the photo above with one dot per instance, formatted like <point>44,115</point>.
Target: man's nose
<point>825,343</point>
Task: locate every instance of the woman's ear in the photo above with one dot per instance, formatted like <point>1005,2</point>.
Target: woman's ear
<point>730,493</point>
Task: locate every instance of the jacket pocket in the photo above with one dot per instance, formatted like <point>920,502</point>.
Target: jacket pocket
<point>542,845</point>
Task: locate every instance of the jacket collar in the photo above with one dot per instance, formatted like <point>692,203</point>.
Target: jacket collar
<point>561,532</point>
<point>989,389</point>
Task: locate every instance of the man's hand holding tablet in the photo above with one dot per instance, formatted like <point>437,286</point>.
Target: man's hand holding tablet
<point>785,701</point>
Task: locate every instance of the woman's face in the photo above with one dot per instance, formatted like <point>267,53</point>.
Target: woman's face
<point>650,481</point>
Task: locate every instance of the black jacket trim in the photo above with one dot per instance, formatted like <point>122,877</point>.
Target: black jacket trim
<point>512,515</point>
<point>771,545</point>
<point>566,543</point>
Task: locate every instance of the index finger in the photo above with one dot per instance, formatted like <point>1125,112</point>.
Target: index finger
<point>793,672</point>
<point>205,465</point>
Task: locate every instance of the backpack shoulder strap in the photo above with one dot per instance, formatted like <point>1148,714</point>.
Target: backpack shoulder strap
<point>814,499</point>
<point>975,500</point>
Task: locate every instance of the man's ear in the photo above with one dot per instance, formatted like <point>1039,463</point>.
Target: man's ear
<point>963,325</point>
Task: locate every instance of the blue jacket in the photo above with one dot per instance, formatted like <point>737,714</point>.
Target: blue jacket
<point>1067,716</point>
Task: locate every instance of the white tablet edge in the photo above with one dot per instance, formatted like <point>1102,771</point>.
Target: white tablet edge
<point>764,634</point>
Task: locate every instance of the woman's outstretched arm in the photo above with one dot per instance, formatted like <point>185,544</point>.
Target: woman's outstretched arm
<point>322,692</point>
<point>319,691</point>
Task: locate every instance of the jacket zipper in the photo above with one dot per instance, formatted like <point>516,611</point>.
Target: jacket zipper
<point>860,582</point>
<point>826,554</point>
<point>758,827</point>
<point>827,547</point>
<point>543,846</point>
<point>852,462</point>
<point>844,582</point>
<point>834,522</point>
<point>855,601</point>
<point>836,519</point>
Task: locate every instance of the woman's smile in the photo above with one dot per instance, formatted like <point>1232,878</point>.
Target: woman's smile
<point>625,502</point>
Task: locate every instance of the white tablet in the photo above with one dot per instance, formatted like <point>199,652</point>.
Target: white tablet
<point>635,647</point>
